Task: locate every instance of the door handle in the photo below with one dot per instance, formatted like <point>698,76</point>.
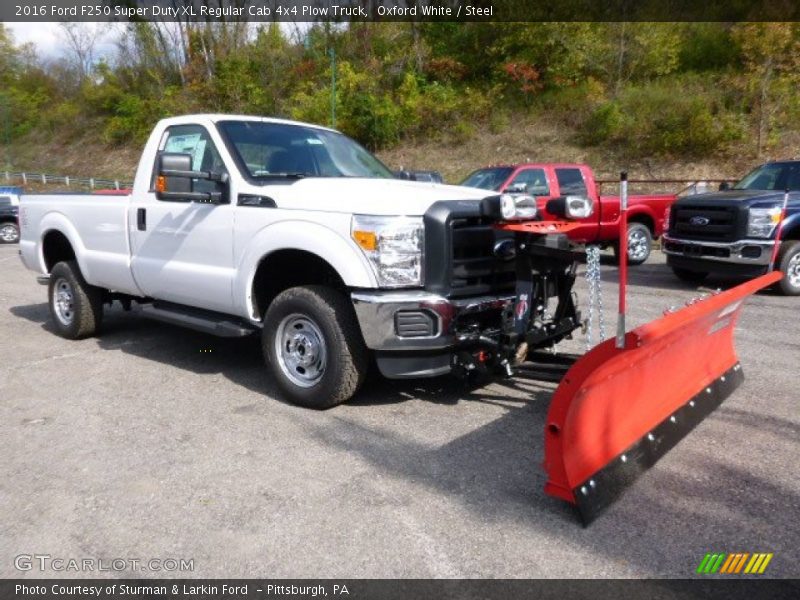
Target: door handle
<point>141,219</point>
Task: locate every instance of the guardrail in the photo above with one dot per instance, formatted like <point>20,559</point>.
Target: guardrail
<point>45,179</point>
<point>687,186</point>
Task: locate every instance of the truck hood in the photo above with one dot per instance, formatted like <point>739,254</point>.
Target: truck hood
<point>746,198</point>
<point>363,195</point>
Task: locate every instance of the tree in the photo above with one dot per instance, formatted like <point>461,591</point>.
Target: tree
<point>81,42</point>
<point>771,54</point>
<point>618,53</point>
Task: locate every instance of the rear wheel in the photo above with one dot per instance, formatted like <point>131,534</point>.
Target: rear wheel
<point>9,233</point>
<point>688,276</point>
<point>640,241</point>
<point>313,345</point>
<point>75,306</point>
<point>789,265</point>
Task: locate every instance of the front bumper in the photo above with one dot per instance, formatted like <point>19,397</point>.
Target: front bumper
<point>378,313</point>
<point>749,252</point>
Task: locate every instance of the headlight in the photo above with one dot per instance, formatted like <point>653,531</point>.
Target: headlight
<point>571,207</point>
<point>762,221</point>
<point>393,246</point>
<point>506,207</point>
<point>579,207</point>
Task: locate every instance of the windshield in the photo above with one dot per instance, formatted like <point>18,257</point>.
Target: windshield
<point>772,176</point>
<point>278,150</point>
<point>488,179</point>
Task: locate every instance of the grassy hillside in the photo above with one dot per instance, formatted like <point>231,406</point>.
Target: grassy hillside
<point>525,138</point>
<point>662,100</point>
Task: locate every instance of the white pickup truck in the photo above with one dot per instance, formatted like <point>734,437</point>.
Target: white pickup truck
<point>238,225</point>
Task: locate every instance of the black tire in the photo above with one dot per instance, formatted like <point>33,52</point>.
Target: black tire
<point>789,265</point>
<point>638,252</point>
<point>687,276</point>
<point>9,233</point>
<point>76,307</point>
<point>321,317</point>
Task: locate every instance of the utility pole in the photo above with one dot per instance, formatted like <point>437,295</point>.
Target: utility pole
<point>332,53</point>
<point>6,118</point>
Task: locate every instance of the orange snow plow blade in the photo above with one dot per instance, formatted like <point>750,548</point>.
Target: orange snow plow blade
<point>619,410</point>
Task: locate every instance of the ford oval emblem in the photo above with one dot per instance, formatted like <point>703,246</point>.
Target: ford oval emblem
<point>699,221</point>
<point>505,249</point>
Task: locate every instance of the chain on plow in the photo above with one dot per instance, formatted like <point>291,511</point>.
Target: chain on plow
<point>595,308</point>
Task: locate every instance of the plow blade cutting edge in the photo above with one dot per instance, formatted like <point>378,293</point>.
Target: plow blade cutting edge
<point>618,410</point>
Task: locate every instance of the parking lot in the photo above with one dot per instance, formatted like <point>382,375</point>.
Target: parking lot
<point>156,442</point>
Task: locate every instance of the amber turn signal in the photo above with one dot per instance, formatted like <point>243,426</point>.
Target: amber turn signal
<point>366,239</point>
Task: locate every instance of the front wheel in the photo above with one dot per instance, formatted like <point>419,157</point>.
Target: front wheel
<point>640,241</point>
<point>9,233</point>
<point>789,265</point>
<point>313,345</point>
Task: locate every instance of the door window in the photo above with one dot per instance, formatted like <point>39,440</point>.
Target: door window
<point>195,141</point>
<point>571,183</point>
<point>534,180</point>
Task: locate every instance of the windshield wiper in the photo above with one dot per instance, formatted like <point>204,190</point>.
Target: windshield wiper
<point>282,175</point>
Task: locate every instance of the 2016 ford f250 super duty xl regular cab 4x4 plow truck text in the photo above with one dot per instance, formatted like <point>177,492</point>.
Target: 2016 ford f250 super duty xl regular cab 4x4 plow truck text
<point>239,225</point>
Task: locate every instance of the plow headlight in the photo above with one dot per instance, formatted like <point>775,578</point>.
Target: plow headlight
<point>393,247</point>
<point>509,208</point>
<point>571,207</point>
<point>761,222</point>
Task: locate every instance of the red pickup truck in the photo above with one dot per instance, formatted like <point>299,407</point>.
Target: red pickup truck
<point>646,213</point>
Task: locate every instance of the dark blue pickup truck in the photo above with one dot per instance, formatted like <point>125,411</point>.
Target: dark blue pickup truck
<point>732,232</point>
<point>9,207</point>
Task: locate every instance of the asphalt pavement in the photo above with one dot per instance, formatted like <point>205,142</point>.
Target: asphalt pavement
<point>153,442</point>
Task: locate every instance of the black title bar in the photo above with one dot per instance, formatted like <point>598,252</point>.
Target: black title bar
<point>386,589</point>
<point>399,10</point>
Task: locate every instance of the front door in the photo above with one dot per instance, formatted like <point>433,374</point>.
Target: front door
<point>183,251</point>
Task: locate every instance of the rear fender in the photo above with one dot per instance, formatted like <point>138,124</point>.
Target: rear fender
<point>56,221</point>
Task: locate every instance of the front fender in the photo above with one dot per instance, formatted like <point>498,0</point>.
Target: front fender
<point>790,229</point>
<point>341,253</point>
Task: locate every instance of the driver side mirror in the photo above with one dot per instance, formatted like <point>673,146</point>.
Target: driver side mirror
<point>517,188</point>
<point>724,186</point>
<point>175,179</point>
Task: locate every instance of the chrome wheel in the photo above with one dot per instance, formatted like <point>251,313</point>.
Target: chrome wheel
<point>300,349</point>
<point>9,233</point>
<point>637,245</point>
<point>63,302</point>
<point>793,271</point>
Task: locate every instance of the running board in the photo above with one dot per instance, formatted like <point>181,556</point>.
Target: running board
<point>207,321</point>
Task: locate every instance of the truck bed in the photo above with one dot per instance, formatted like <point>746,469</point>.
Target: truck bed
<point>103,239</point>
